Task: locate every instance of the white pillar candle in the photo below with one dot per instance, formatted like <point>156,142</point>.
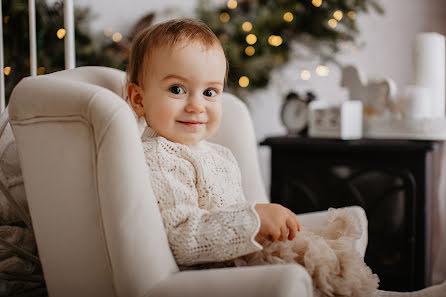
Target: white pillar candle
<point>429,69</point>
<point>32,38</point>
<point>2,64</point>
<point>416,102</point>
<point>70,53</point>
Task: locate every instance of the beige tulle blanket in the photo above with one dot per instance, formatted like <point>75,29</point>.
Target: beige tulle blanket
<point>328,255</point>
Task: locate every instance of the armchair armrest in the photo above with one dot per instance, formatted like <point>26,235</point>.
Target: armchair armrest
<point>284,280</point>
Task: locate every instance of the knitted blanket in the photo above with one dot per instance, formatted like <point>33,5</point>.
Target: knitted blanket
<point>20,269</point>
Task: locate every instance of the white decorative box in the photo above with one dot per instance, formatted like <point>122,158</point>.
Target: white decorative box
<point>329,120</point>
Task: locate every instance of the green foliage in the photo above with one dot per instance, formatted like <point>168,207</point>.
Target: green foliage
<point>309,26</point>
<point>50,49</point>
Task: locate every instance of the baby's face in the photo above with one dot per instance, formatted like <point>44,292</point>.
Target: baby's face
<point>182,92</point>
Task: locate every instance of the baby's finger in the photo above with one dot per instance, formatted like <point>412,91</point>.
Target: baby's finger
<point>283,232</point>
<point>294,216</point>
<point>298,224</point>
<point>292,228</point>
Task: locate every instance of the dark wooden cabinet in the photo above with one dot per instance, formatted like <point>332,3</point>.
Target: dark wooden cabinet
<point>390,179</point>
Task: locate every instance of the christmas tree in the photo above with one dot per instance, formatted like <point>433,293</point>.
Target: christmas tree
<point>258,35</point>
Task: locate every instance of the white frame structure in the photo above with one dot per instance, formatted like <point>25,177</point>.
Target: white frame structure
<point>70,56</point>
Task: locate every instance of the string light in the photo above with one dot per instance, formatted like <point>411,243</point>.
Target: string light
<point>41,70</point>
<point>317,3</point>
<point>232,4</point>
<point>322,70</point>
<point>338,15</point>
<point>107,32</point>
<point>351,14</point>
<point>288,17</point>
<point>61,33</point>
<point>243,81</point>
<point>246,26</point>
<point>249,50</point>
<point>224,17</point>
<point>275,40</point>
<point>6,19</point>
<point>117,37</point>
<point>251,39</point>
<point>7,70</point>
<point>332,23</point>
<point>305,75</point>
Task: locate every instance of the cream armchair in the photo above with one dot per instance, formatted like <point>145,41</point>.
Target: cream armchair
<point>96,221</point>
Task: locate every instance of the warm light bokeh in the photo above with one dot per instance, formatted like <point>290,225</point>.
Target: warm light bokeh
<point>246,26</point>
<point>288,17</point>
<point>305,75</point>
<point>317,3</point>
<point>351,14</point>
<point>232,4</point>
<point>338,15</point>
<point>61,33</point>
<point>243,81</point>
<point>333,23</point>
<point>224,17</point>
<point>117,37</point>
<point>251,39</point>
<point>275,40</point>
<point>249,50</point>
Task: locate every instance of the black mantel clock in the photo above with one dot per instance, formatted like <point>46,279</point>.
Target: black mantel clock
<point>294,113</point>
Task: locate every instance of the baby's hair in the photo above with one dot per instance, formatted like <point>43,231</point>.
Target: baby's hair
<point>169,33</point>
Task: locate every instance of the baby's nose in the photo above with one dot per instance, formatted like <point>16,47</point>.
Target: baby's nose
<point>195,104</point>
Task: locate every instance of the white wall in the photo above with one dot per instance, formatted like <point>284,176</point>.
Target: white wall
<point>387,52</point>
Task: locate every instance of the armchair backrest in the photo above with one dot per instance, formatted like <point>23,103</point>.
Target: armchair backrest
<point>97,226</point>
<point>96,221</point>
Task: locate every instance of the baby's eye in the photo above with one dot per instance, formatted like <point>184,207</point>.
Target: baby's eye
<point>210,93</point>
<point>177,90</point>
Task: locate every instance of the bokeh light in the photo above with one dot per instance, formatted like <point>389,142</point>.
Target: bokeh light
<point>251,39</point>
<point>249,50</point>
<point>61,33</point>
<point>243,81</point>
<point>288,17</point>
<point>305,75</point>
<point>317,3</point>
<point>224,17</point>
<point>246,26</point>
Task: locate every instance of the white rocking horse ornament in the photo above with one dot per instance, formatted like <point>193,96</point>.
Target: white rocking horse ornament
<point>377,95</point>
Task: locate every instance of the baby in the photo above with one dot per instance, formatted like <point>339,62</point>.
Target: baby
<point>198,184</point>
<point>176,74</point>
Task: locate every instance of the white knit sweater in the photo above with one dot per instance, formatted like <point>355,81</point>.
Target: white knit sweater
<point>200,196</point>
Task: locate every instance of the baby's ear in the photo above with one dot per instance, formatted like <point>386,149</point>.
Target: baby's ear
<point>135,95</point>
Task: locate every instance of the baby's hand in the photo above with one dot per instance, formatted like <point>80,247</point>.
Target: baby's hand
<point>276,222</point>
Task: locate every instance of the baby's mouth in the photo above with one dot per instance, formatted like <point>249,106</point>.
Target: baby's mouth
<point>191,123</point>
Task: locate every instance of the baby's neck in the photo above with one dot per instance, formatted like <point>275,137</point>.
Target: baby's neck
<point>149,132</point>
